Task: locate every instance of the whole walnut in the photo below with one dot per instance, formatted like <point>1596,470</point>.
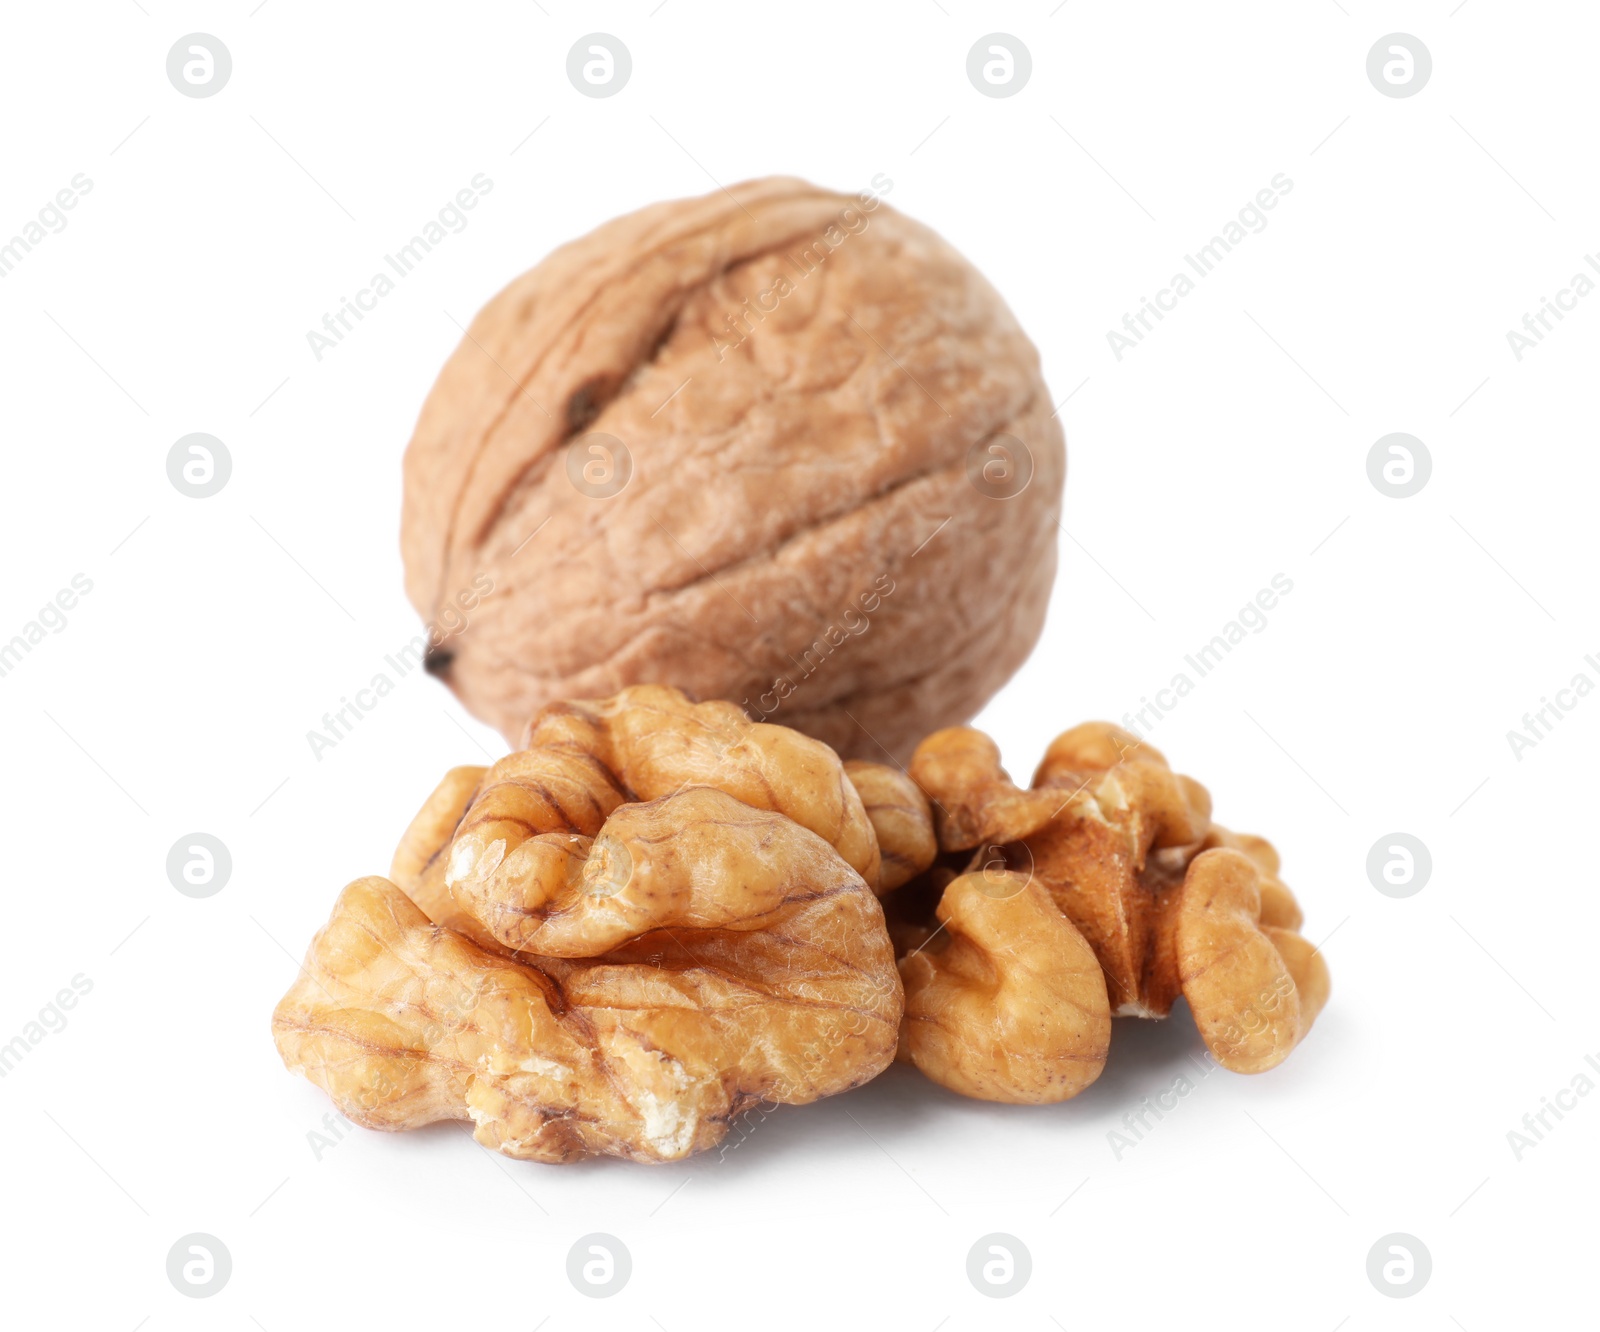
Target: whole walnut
<point>777,445</point>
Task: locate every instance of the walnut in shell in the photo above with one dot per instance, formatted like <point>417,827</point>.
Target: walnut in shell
<point>1171,903</point>
<point>776,445</point>
<point>611,943</point>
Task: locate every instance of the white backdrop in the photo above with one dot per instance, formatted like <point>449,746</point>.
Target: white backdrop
<point>171,688</point>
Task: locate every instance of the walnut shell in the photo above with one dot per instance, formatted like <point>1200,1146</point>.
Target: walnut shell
<point>761,445</point>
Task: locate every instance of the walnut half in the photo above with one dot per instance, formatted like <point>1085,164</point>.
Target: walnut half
<point>1170,903</point>
<point>610,943</point>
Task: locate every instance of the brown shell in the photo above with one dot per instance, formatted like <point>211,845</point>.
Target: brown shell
<point>805,385</point>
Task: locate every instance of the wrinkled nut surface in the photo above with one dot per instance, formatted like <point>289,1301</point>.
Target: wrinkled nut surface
<point>1007,1002</point>
<point>1254,989</point>
<point>1170,903</point>
<point>901,818</point>
<point>710,444</point>
<point>611,943</point>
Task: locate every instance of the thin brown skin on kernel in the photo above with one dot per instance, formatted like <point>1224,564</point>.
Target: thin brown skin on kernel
<point>520,843</point>
<point>744,961</point>
<point>1307,968</point>
<point>418,867</point>
<point>1278,906</point>
<point>1119,857</point>
<point>655,740</point>
<point>1011,1004</point>
<point>1246,999</point>
<point>1093,747</point>
<point>651,966</point>
<point>1100,858</point>
<point>901,818</point>
<point>434,824</point>
<point>1087,832</point>
<point>974,800</point>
